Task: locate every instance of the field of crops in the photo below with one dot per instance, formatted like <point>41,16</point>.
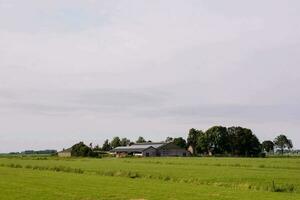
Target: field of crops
<point>149,178</point>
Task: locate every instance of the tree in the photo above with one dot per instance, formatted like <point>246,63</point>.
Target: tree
<point>169,139</point>
<point>97,148</point>
<point>255,146</point>
<point>140,140</point>
<point>290,144</point>
<point>204,144</point>
<point>243,142</point>
<point>281,142</point>
<point>218,140</point>
<point>106,146</point>
<point>116,142</point>
<point>192,139</point>
<point>80,149</point>
<point>180,142</point>
<point>268,146</point>
<point>124,142</point>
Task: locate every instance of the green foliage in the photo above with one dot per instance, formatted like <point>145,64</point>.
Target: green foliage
<point>106,146</point>
<point>81,150</point>
<point>243,142</point>
<point>124,142</point>
<point>116,142</point>
<point>268,146</point>
<point>219,140</point>
<point>282,188</point>
<point>169,139</point>
<point>97,148</point>
<point>140,140</point>
<point>192,139</point>
<point>290,144</point>
<point>215,140</point>
<point>282,142</point>
<point>204,143</point>
<point>180,142</point>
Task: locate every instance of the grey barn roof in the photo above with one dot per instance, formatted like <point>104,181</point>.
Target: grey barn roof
<point>139,147</point>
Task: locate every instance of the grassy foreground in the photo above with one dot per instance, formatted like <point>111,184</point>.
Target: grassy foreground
<point>149,178</point>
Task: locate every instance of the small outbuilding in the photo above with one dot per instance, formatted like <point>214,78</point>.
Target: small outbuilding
<point>65,153</point>
<point>151,150</point>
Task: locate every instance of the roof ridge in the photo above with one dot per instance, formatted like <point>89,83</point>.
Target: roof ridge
<point>148,143</point>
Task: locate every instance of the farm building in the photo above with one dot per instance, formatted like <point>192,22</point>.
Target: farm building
<point>65,153</point>
<point>150,150</point>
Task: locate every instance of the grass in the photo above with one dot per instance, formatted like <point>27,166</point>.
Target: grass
<point>149,178</point>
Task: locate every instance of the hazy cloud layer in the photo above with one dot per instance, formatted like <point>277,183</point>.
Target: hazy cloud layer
<point>90,70</point>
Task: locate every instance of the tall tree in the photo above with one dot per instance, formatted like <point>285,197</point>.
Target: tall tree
<point>281,142</point>
<point>169,139</point>
<point>218,140</point>
<point>204,143</point>
<point>290,144</point>
<point>192,139</point>
<point>106,146</point>
<point>116,142</point>
<point>268,146</point>
<point>180,142</point>
<point>243,142</point>
<point>97,148</point>
<point>140,140</point>
<point>124,142</point>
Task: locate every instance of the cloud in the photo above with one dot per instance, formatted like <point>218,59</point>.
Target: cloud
<point>66,102</point>
<point>159,65</point>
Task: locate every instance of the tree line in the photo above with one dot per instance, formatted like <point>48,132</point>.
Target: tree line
<point>233,141</point>
<point>217,140</point>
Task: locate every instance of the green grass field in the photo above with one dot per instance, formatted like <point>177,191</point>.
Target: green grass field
<point>149,178</point>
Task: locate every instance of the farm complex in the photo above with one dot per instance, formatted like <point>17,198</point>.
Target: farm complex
<point>150,150</point>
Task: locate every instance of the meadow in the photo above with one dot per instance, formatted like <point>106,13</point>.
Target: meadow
<point>47,178</point>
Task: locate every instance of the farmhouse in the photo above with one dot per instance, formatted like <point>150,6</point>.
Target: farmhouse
<point>150,150</point>
<point>65,153</point>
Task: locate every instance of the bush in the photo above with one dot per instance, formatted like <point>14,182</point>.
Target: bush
<point>282,188</point>
<point>82,150</point>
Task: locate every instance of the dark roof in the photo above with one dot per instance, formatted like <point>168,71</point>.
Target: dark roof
<point>139,147</point>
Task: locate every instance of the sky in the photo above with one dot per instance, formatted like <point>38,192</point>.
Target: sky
<point>89,70</point>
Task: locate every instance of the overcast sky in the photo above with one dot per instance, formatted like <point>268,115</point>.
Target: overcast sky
<point>89,70</point>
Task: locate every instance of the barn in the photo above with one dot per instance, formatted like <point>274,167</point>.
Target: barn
<point>150,150</point>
